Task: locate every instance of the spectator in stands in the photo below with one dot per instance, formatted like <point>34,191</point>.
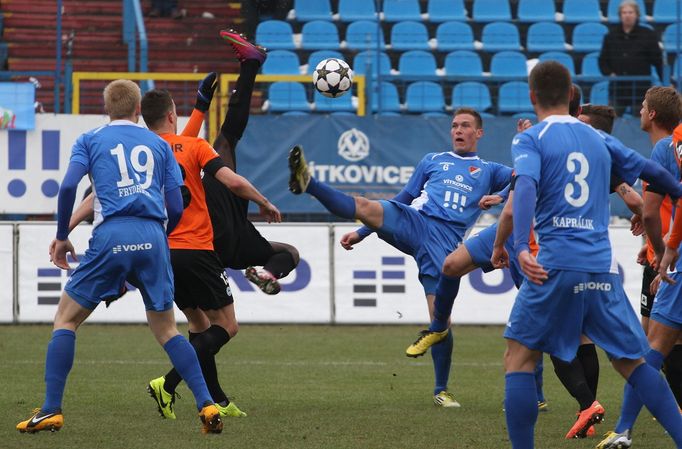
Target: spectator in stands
<point>629,49</point>
<point>166,8</point>
<point>255,11</point>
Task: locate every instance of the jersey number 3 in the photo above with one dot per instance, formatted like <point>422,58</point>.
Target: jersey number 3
<point>135,160</point>
<point>574,161</point>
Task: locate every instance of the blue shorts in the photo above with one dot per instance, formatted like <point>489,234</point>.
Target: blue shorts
<point>667,308</point>
<point>551,317</point>
<point>428,240</point>
<point>480,248</point>
<point>124,249</point>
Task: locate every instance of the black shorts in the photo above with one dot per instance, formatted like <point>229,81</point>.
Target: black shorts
<point>647,301</point>
<point>200,280</point>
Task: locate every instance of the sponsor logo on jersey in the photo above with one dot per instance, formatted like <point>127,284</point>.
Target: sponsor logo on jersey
<point>459,178</point>
<point>475,172</point>
<point>600,286</point>
<point>458,185</point>
<point>133,247</point>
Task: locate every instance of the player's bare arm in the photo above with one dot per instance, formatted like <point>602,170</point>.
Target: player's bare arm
<point>505,226</point>
<point>349,239</point>
<point>83,211</point>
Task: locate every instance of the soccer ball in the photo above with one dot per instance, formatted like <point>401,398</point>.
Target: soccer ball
<point>332,77</point>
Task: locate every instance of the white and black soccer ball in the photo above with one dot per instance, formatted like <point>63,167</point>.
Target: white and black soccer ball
<point>332,77</point>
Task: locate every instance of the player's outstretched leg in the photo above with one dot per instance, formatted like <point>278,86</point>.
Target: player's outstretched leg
<point>244,49</point>
<point>266,281</point>
<point>280,263</point>
<point>299,176</point>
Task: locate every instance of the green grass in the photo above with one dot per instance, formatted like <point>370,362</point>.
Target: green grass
<point>302,386</point>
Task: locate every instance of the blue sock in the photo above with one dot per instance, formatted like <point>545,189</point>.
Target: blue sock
<point>539,368</point>
<point>336,202</point>
<point>184,359</point>
<point>58,363</point>
<point>441,353</point>
<point>446,292</point>
<point>521,409</point>
<point>631,406</point>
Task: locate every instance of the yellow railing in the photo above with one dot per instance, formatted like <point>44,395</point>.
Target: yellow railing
<point>223,92</point>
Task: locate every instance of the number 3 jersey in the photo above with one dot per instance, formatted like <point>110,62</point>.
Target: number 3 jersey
<point>130,169</point>
<point>448,186</point>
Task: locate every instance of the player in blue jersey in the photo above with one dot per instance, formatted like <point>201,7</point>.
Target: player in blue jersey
<point>427,219</point>
<point>133,171</point>
<point>572,288</point>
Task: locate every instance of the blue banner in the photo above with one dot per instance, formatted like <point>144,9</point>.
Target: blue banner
<point>17,110</point>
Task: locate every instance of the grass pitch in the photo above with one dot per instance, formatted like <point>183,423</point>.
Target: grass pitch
<point>302,386</point>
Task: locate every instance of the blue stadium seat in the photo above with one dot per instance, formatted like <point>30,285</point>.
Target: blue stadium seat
<point>397,10</point>
<point>409,36</point>
<point>670,38</point>
<point>454,36</point>
<point>319,35</point>
<point>463,63</point>
<point>435,115</point>
<point>424,96</point>
<point>599,94</point>
<point>498,36</point>
<point>312,10</point>
<point>275,35</point>
<point>368,57</point>
<point>296,113</point>
<point>317,56</point>
<point>325,104</point>
<point>561,57</point>
<point>536,11</point>
<point>281,62</point>
<point>665,11</point>
<point>676,70</point>
<point>446,10</point>
<point>578,11</point>
<point>471,94</point>
<point>350,10</point>
<point>417,62</point>
<point>526,115</point>
<point>390,101</point>
<point>508,63</point>
<point>612,11</point>
<point>590,65</point>
<point>588,37</point>
<point>514,97</point>
<point>287,96</point>
<point>491,10</point>
<point>545,36</point>
<point>362,35</point>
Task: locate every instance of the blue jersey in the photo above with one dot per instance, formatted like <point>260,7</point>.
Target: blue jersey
<point>663,153</point>
<point>571,164</point>
<point>130,168</point>
<point>448,186</point>
<point>626,163</point>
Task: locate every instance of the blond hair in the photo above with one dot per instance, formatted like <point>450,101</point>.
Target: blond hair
<point>121,99</point>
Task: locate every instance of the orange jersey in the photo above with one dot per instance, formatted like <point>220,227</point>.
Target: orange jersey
<point>666,212</point>
<point>676,233</point>
<point>194,230</point>
<point>533,244</point>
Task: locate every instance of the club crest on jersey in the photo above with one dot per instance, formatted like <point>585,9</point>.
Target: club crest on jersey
<point>475,172</point>
<point>678,150</point>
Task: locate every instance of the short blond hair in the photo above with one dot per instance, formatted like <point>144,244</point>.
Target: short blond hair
<point>121,99</point>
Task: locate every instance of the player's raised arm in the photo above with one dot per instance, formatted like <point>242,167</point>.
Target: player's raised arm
<point>205,93</point>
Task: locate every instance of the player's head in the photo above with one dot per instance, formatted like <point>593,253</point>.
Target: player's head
<point>550,86</point>
<point>628,11</point>
<point>576,99</point>
<point>599,116</point>
<point>122,100</point>
<point>662,107</point>
<point>158,111</point>
<point>467,128</point>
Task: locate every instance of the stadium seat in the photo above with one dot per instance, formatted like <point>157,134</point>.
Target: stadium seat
<point>287,96</point>
<point>435,115</point>
<point>319,35</point>
<point>463,63</point>
<point>508,63</point>
<point>675,75</point>
<point>281,62</point>
<point>351,10</point>
<point>390,101</point>
<point>599,93</point>
<point>362,35</point>
<point>409,36</point>
<point>491,10</point>
<point>397,10</point>
<point>317,56</point>
<point>545,36</point>
<point>471,94</point>
<point>424,96</point>
<point>417,62</point>
<point>275,35</point>
<point>590,65</point>
<point>665,11</point>
<point>306,10</point>
<point>366,58</point>
<point>325,104</point>
<point>295,113</point>
<point>454,36</point>
<point>536,11</point>
<point>446,10</point>
<point>578,11</point>
<point>588,37</point>
<point>559,56</point>
<point>612,10</point>
<point>514,97</point>
<point>670,34</point>
<point>498,36</point>
<point>526,115</point>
